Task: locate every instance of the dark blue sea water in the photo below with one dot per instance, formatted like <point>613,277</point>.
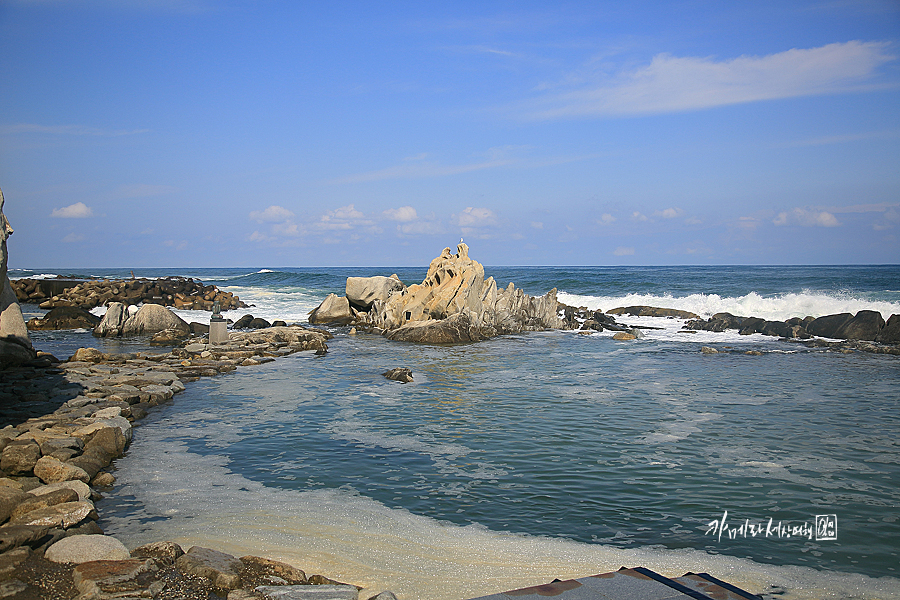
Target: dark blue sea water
<point>529,457</point>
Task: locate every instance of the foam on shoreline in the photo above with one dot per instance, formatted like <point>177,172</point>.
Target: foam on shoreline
<point>198,500</point>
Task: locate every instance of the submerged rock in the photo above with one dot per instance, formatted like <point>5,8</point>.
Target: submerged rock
<point>401,374</point>
<point>65,317</point>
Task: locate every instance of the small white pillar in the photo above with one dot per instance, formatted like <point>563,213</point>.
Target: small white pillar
<point>218,331</point>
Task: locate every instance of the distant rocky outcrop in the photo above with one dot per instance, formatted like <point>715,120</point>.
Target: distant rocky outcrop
<point>15,345</point>
<point>178,292</point>
<point>454,303</point>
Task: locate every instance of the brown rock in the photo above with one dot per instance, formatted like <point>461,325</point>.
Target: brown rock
<point>261,567</point>
<point>91,355</point>
<point>53,470</point>
<point>101,578</point>
<point>13,536</point>
<point>10,562</point>
<point>20,456</point>
<point>61,515</point>
<point>401,374</point>
<point>9,499</point>
<point>622,336</point>
<point>164,553</point>
<point>43,501</point>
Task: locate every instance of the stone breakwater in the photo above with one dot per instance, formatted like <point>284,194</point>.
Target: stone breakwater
<point>64,423</point>
<point>178,292</point>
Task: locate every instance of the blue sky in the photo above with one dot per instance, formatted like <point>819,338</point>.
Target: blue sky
<point>137,133</point>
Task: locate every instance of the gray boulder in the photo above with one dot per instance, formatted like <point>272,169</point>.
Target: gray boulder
<point>334,309</point>
<point>362,292</point>
<point>113,321</point>
<point>401,374</point>
<point>153,318</point>
<point>220,569</point>
<point>866,325</point>
<point>80,549</point>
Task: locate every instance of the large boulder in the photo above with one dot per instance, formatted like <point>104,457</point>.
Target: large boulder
<point>153,318</point>
<point>65,317</point>
<point>362,292</point>
<point>866,325</point>
<point>334,309</point>
<point>113,321</point>
<point>829,325</point>
<point>15,345</point>
<point>890,334</point>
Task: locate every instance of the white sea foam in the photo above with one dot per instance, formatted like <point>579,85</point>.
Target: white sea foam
<point>353,538</point>
<point>773,308</point>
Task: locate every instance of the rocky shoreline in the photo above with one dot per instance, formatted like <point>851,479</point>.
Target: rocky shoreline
<point>63,425</point>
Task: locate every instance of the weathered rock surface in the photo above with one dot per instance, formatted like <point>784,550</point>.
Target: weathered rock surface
<point>64,317</point>
<point>52,470</point>
<point>65,515</point>
<point>401,374</point>
<point>153,318</point>
<point>260,567</point>
<point>308,592</point>
<point>164,553</point>
<point>829,325</point>
<point>113,321</point>
<point>866,325</point>
<point>454,303</point>
<point>220,569</point>
<point>15,345</point>
<point>102,579</point>
<point>86,548</point>
<point>362,292</point>
<point>334,309</point>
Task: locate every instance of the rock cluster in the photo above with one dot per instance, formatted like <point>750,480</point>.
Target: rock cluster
<point>454,303</point>
<point>866,325</point>
<point>15,345</point>
<point>178,292</point>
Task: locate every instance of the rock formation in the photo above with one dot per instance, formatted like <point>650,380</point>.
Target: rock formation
<point>454,303</point>
<point>15,345</point>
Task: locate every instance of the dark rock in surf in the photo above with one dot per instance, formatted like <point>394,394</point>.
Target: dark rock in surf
<point>891,332</point>
<point>866,325</point>
<point>829,325</point>
<point>401,374</point>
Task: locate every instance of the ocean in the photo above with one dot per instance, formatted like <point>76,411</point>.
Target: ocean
<point>545,455</point>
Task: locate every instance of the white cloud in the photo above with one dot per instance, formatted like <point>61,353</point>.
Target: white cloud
<point>343,218</point>
<point>72,238</point>
<point>606,219</point>
<point>623,251</point>
<point>273,214</point>
<point>537,225</point>
<point>420,228</point>
<point>673,84</point>
<point>475,217</point>
<point>74,211</point>
<point>404,214</point>
<point>806,218</point>
<point>637,216</point>
<point>669,213</point>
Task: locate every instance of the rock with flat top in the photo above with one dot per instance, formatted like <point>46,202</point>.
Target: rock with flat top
<point>220,569</point>
<point>65,515</point>
<point>53,470</point>
<point>164,553</point>
<point>80,549</point>
<point>623,336</point>
<point>652,311</point>
<point>64,317</point>
<point>9,499</point>
<point>43,501</point>
<point>273,568</point>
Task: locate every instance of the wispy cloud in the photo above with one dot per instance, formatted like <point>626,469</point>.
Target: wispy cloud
<point>67,130</point>
<point>403,214</point>
<point>475,217</point>
<point>79,210</point>
<point>273,214</point>
<point>806,217</point>
<point>674,84</point>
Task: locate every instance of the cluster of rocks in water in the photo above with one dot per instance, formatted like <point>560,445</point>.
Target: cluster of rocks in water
<point>178,292</point>
<point>65,422</point>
